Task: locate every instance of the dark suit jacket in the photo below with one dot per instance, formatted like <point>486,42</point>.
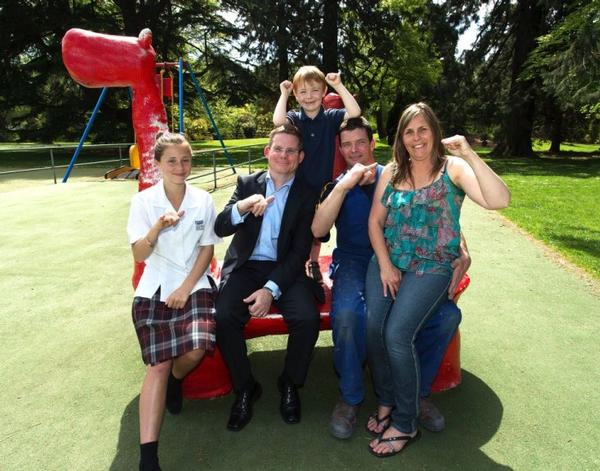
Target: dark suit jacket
<point>295,236</point>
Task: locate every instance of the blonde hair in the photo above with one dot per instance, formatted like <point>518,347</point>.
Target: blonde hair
<point>166,139</point>
<point>309,73</point>
<point>402,171</point>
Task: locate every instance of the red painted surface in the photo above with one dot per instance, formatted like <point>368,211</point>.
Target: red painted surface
<point>100,60</point>
<point>333,100</point>
<point>211,377</point>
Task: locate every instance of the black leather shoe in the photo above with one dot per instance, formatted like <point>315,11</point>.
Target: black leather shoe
<point>290,402</point>
<point>241,411</point>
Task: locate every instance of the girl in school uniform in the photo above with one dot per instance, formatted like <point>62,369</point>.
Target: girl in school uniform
<point>170,228</point>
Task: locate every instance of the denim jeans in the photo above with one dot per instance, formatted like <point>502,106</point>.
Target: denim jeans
<point>392,326</point>
<point>432,342</point>
<point>348,324</point>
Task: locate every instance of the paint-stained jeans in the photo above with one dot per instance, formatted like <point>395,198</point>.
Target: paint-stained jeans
<point>392,326</point>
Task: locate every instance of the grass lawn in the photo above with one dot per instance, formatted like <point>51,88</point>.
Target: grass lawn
<point>556,201</point>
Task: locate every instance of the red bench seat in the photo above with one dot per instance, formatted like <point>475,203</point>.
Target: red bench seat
<point>211,377</point>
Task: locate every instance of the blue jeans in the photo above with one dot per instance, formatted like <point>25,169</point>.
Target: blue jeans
<point>432,342</point>
<point>392,326</point>
<point>348,324</point>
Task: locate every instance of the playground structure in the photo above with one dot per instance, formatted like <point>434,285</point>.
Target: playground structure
<point>98,60</point>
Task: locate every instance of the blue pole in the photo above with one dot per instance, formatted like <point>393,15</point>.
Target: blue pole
<point>181,129</point>
<point>85,134</point>
<point>210,116</point>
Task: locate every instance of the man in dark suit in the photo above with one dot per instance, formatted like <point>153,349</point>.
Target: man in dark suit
<point>270,215</point>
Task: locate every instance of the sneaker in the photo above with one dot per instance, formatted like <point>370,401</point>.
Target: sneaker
<point>430,416</point>
<point>314,271</point>
<point>343,420</point>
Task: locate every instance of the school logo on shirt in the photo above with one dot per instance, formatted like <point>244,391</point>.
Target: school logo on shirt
<point>199,224</point>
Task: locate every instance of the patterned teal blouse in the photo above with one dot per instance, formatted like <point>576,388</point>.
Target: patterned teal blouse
<point>422,228</point>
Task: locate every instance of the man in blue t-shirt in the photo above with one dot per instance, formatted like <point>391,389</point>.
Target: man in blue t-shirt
<point>346,202</point>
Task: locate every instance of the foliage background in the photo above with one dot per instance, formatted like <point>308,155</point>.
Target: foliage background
<point>532,71</point>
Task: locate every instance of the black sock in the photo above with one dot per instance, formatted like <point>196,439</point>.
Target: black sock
<point>174,401</point>
<point>149,455</point>
<point>174,384</point>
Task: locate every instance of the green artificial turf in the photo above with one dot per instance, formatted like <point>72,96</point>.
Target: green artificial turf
<point>71,371</point>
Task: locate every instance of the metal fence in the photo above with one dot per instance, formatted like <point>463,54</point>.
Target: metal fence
<point>209,179</point>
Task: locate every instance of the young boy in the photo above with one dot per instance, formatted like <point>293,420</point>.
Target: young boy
<point>318,127</point>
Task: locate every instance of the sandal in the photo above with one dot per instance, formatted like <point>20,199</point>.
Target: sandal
<point>390,444</point>
<point>379,422</point>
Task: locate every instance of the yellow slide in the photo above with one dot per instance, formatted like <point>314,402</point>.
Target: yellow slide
<point>130,171</point>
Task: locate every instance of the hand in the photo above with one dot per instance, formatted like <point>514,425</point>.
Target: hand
<point>255,204</point>
<point>169,219</point>
<point>359,174</point>
<point>334,79</point>
<point>458,145</point>
<point>178,298</point>
<point>390,279</point>
<point>260,302</point>
<point>460,266</point>
<point>285,87</point>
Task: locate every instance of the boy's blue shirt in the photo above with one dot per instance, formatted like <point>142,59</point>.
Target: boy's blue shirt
<point>319,140</point>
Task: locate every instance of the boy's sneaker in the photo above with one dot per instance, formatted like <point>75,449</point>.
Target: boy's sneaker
<point>343,420</point>
<point>430,416</point>
<point>314,271</point>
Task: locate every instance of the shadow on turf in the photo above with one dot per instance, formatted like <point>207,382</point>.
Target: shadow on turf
<point>197,438</point>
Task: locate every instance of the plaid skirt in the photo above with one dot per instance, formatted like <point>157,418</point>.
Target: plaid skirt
<point>166,333</point>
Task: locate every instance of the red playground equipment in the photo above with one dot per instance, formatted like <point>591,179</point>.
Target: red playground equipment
<point>100,60</point>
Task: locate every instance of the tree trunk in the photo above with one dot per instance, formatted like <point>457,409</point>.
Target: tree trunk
<point>131,19</point>
<point>381,126</point>
<point>556,133</point>
<point>330,36</point>
<point>281,42</point>
<point>515,138</point>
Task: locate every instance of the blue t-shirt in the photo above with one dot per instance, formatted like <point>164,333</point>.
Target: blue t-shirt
<point>318,138</point>
<point>352,223</point>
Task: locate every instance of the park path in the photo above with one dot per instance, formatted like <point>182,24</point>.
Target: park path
<point>530,332</point>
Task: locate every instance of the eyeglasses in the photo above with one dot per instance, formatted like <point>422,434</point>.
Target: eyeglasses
<point>289,152</point>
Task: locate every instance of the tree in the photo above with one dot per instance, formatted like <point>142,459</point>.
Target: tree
<point>330,35</point>
<point>41,102</point>
<point>568,58</point>
<point>385,53</point>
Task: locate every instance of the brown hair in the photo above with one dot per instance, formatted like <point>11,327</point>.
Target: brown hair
<point>309,73</point>
<point>350,124</point>
<point>166,139</point>
<point>286,129</point>
<point>402,171</point>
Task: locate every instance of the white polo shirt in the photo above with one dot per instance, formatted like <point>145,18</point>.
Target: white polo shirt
<point>177,247</point>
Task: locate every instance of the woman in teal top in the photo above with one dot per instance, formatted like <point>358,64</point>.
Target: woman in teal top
<point>415,232</point>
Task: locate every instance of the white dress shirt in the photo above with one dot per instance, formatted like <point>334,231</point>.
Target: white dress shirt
<point>177,247</point>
